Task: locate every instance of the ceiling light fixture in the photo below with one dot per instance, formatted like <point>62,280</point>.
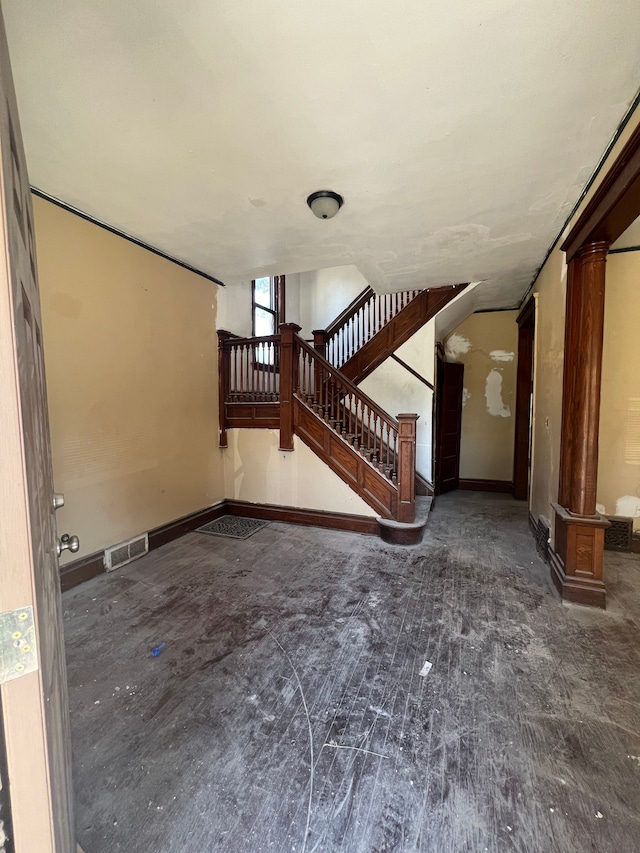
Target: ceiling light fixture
<point>325,204</point>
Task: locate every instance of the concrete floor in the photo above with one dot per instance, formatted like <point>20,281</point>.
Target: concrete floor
<point>287,711</point>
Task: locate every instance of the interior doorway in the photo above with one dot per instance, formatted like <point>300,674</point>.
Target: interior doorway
<point>449,386</point>
<point>524,398</point>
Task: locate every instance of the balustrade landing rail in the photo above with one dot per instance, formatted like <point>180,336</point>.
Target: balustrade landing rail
<point>265,382</point>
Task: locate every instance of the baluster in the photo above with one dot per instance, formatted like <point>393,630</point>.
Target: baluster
<point>271,367</point>
<point>374,455</point>
<point>395,456</point>
<point>259,374</point>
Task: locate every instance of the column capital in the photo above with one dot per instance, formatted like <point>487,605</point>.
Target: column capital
<point>593,252</point>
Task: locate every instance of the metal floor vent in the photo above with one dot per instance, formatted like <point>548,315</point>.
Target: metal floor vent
<point>233,527</point>
<point>619,536</point>
<point>125,552</point>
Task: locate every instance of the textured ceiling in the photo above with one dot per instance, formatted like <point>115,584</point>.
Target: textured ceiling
<point>460,134</point>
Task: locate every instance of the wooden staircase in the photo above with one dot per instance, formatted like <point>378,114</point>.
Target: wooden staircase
<point>281,382</point>
<point>374,326</point>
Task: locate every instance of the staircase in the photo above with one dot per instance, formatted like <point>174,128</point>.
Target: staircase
<point>374,326</point>
<point>281,382</point>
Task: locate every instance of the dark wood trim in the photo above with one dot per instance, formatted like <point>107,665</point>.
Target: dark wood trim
<point>174,529</point>
<point>352,309</point>
<point>471,485</point>
<point>412,371</point>
<point>251,415</point>
<point>524,390</point>
<point>278,307</point>
<point>346,385</point>
<point>406,506</point>
<point>614,205</point>
<point>289,364</point>
<point>118,233</point>
<point>587,592</point>
<point>81,570</point>
<point>308,517</point>
<point>624,249</point>
<point>403,325</point>
<point>423,486</point>
<point>345,461</point>
<point>526,317</point>
<point>92,565</point>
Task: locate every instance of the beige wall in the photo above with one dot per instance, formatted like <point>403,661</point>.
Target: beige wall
<point>255,470</point>
<point>550,290</point>
<point>487,345</point>
<point>396,390</point>
<point>619,463</point>
<point>131,364</point>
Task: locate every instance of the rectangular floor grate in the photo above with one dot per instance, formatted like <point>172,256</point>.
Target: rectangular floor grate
<point>233,527</point>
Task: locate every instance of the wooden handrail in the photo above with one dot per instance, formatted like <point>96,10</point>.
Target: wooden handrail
<point>349,311</point>
<point>347,384</point>
<point>228,338</point>
<point>297,375</point>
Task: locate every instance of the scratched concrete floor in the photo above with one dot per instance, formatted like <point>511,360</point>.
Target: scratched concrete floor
<point>287,712</point>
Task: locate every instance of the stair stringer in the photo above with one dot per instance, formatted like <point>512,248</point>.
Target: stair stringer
<point>345,461</point>
<point>398,330</point>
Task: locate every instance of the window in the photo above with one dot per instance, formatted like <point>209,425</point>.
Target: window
<point>267,305</point>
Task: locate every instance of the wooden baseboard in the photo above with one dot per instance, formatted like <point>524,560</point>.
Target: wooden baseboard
<point>81,570</point>
<point>174,529</point>
<point>92,565</point>
<point>503,486</point>
<point>309,517</point>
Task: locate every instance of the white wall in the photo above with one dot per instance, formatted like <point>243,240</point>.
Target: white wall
<point>396,390</point>
<point>234,305</point>
<point>324,294</point>
<point>256,470</point>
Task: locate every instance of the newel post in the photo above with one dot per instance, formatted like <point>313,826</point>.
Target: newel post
<point>224,383</point>
<point>288,382</point>
<point>407,467</point>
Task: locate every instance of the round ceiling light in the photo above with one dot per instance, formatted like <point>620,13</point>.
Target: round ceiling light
<point>325,204</point>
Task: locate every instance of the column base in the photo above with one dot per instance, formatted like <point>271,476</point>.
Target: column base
<point>577,561</point>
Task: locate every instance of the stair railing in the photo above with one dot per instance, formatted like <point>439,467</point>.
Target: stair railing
<point>279,368</point>
<point>248,372</point>
<point>387,443</point>
<point>359,322</point>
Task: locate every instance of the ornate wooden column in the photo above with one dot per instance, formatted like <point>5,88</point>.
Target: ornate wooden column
<point>288,382</point>
<point>579,529</point>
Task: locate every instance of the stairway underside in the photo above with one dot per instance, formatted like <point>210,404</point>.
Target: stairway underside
<point>397,331</point>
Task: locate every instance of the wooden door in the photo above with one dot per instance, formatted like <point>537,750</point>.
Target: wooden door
<point>524,397</point>
<point>448,425</point>
<point>34,691</point>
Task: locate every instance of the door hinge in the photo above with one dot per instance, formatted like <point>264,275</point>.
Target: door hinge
<point>18,651</point>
